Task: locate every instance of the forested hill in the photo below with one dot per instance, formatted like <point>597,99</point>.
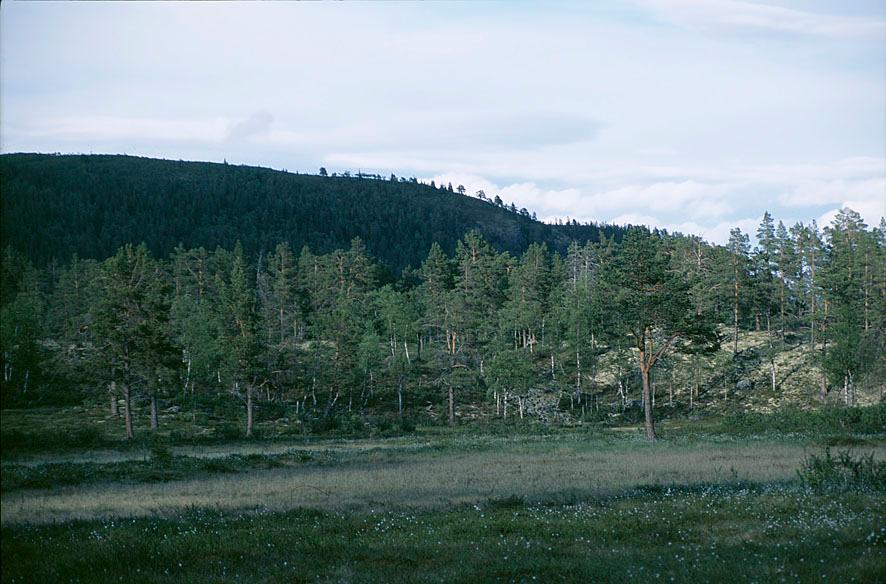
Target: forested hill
<point>54,206</point>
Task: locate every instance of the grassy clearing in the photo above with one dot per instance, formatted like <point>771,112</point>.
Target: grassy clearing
<point>430,476</point>
<point>43,476</point>
<point>714,500</point>
<point>702,534</point>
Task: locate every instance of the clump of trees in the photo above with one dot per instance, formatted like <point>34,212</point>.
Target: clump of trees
<point>331,334</point>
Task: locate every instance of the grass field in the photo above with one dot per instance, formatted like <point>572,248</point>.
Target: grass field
<point>703,534</point>
<point>452,506</point>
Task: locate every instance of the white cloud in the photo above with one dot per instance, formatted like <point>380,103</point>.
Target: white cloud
<point>870,211</point>
<point>258,124</point>
<point>112,127</point>
<point>575,111</point>
<point>734,15</point>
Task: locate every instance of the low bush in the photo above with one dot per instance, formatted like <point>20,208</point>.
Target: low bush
<point>48,439</point>
<point>843,472</point>
<point>837,420</point>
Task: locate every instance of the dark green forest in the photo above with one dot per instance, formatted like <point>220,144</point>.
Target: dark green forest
<point>55,207</point>
<point>159,285</point>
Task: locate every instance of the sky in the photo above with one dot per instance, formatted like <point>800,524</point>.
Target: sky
<point>695,116</point>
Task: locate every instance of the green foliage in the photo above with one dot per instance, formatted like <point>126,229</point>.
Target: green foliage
<point>160,466</point>
<point>50,439</point>
<point>856,420</point>
<point>161,452</point>
<point>843,472</point>
<point>715,530</point>
<point>325,341</point>
<point>58,206</point>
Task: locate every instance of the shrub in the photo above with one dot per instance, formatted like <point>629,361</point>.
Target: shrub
<point>229,431</point>
<point>161,453</point>
<point>16,440</point>
<point>505,503</point>
<point>407,425</point>
<point>843,472</point>
<point>835,420</point>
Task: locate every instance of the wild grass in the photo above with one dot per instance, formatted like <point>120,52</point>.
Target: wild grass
<point>760,533</point>
<point>157,468</point>
<point>557,504</point>
<point>845,471</point>
<point>429,476</point>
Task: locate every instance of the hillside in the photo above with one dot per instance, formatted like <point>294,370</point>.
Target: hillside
<point>54,206</point>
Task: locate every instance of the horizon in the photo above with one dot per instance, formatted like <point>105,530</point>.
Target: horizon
<point>358,174</point>
<point>691,118</point>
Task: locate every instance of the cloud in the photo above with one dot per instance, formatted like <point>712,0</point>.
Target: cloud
<point>99,128</point>
<point>258,124</point>
<point>705,201</point>
<point>436,132</point>
<point>738,16</point>
<point>628,121</point>
<point>870,211</point>
<point>717,233</point>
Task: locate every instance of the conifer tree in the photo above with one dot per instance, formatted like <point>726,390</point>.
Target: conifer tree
<point>652,304</point>
<point>739,248</point>
<point>132,342</point>
<point>239,326</point>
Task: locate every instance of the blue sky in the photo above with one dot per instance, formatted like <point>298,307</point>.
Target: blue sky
<point>695,116</point>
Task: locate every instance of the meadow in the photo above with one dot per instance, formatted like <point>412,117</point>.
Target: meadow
<point>593,503</point>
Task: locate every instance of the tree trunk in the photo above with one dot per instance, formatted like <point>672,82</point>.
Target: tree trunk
<point>451,406</point>
<point>867,294</point>
<point>771,349</point>
<point>127,413</point>
<point>781,311</point>
<point>155,423</point>
<point>400,398</point>
<point>112,389</point>
<point>248,410</point>
<point>577,371</point>
<point>812,311</point>
<point>649,425</point>
<point>735,317</point>
<point>851,388</point>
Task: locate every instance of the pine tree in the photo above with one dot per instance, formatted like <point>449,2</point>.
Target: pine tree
<point>652,303</point>
<point>739,248</point>
<point>438,278</point>
<point>132,342</point>
<point>787,270</point>
<point>22,355</point>
<point>848,355</point>
<point>239,326</point>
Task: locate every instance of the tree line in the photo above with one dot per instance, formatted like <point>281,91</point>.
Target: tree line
<point>56,206</point>
<point>329,334</point>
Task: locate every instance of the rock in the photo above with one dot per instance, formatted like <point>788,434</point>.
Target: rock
<point>744,385</point>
